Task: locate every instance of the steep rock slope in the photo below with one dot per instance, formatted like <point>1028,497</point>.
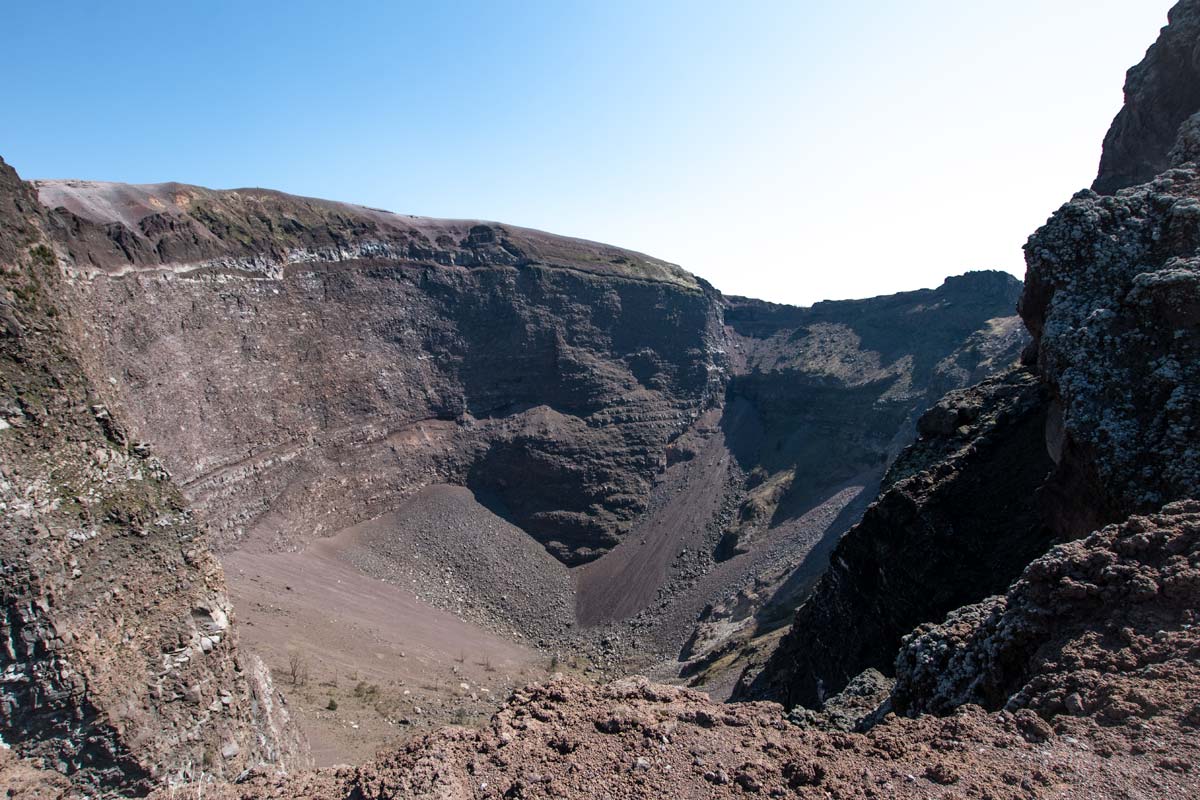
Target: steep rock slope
<point>118,663</point>
<point>835,389</point>
<point>958,521</point>
<point>1111,301</point>
<point>306,363</point>
<point>1161,93</point>
<point>817,404</point>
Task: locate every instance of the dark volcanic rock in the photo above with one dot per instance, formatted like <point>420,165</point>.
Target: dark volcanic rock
<point>959,516</point>
<point>1161,93</point>
<point>1082,623</point>
<point>1113,301</point>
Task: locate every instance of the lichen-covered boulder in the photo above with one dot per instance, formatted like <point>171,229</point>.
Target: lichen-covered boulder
<point>1113,300</point>
<point>1082,628</point>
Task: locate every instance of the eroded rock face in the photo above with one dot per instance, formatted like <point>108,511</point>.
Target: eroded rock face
<point>306,364</point>
<point>1113,301</point>
<point>820,403</point>
<point>959,514</point>
<point>119,664</point>
<point>835,389</point>
<point>1160,94</point>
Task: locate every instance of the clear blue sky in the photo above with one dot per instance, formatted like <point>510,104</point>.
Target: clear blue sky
<point>792,151</point>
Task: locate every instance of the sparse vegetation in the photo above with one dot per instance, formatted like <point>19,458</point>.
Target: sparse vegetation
<point>43,254</point>
<point>297,668</point>
<point>366,691</point>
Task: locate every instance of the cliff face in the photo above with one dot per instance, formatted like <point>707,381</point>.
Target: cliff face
<point>119,664</point>
<point>307,363</point>
<point>818,402</point>
<point>958,521</point>
<point>1161,93</point>
<point>1111,299</point>
<point>835,389</point>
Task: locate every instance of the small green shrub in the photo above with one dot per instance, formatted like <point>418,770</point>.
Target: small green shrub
<point>43,254</point>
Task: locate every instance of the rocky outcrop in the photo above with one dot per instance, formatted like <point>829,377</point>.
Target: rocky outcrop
<point>958,521</point>
<point>1086,626</point>
<point>1161,93</point>
<point>119,664</point>
<point>1111,299</point>
<point>1113,302</point>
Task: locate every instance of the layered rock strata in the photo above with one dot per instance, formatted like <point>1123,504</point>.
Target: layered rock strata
<point>119,663</point>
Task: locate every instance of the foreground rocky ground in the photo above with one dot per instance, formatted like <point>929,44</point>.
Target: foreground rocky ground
<point>1090,666</point>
